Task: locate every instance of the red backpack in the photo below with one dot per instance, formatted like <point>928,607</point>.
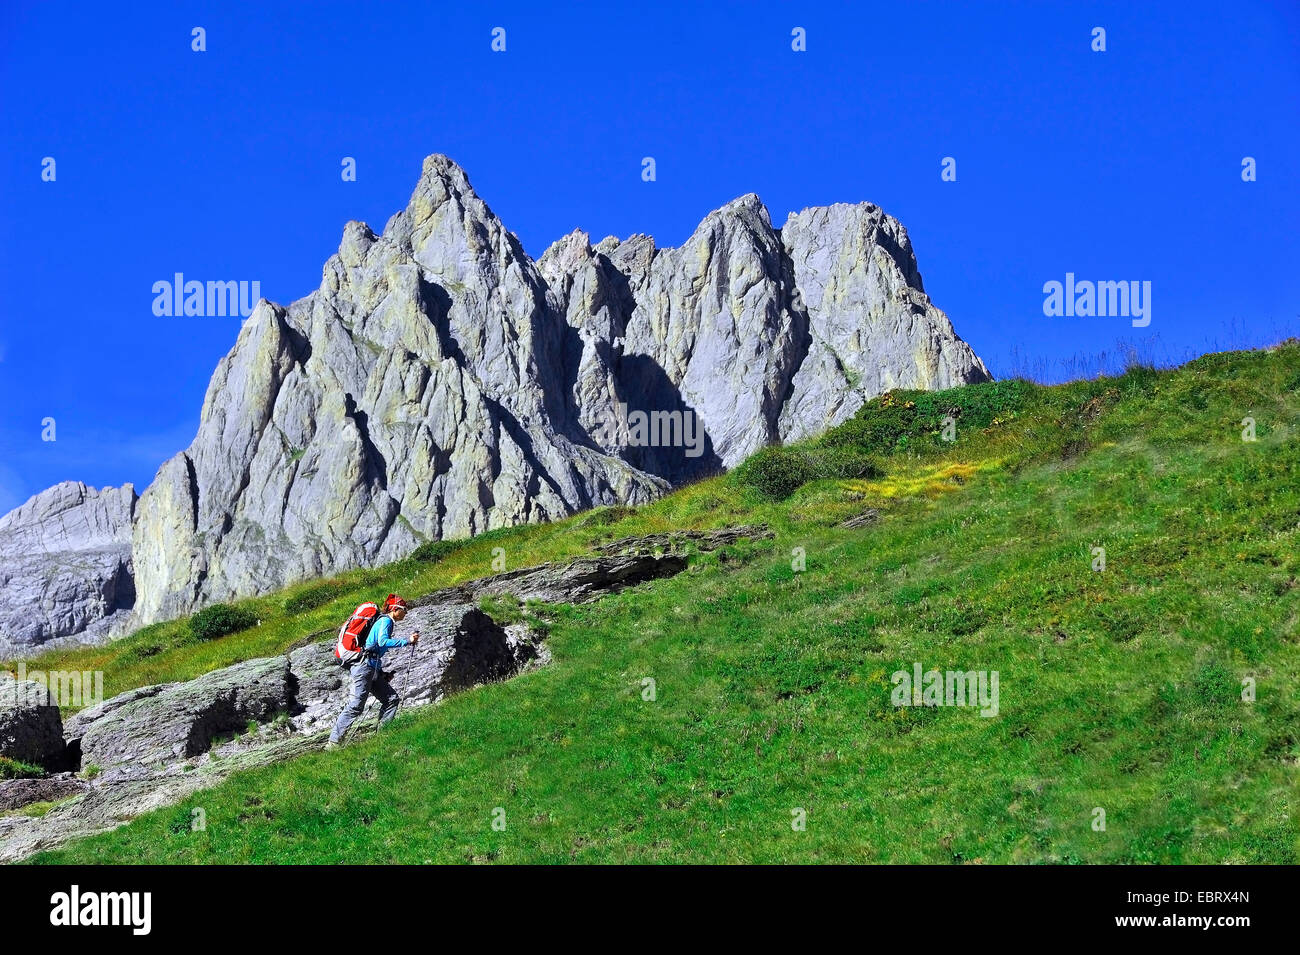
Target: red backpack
<point>351,645</point>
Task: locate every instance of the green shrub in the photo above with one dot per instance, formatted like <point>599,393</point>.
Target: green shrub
<point>219,620</point>
<point>775,472</point>
<point>878,425</point>
<point>430,552</point>
<point>899,419</point>
<point>778,472</point>
<point>312,597</point>
<point>15,769</point>
<point>604,516</point>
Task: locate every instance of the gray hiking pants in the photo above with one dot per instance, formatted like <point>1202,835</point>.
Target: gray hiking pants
<point>366,681</point>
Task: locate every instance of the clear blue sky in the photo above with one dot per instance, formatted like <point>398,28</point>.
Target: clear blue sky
<point>225,165</point>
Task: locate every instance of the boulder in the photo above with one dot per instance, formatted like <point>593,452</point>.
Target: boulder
<point>181,720</point>
<point>31,730</point>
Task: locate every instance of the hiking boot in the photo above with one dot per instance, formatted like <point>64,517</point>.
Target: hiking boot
<point>331,745</point>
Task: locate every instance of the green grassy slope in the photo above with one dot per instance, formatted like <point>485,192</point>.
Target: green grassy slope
<point>1119,690</point>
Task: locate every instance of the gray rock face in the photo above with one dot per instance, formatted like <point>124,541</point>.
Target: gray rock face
<point>704,330</point>
<point>30,728</point>
<point>765,335</point>
<point>440,383</point>
<point>65,565</point>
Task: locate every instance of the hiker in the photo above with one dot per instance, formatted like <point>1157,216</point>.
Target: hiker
<point>364,664</point>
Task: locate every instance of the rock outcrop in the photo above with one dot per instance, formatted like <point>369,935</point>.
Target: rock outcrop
<point>149,730</point>
<point>31,730</point>
<point>866,519</point>
<point>65,565</point>
<point>440,383</point>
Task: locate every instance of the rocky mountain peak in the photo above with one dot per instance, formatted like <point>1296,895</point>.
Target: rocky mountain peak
<point>440,383</point>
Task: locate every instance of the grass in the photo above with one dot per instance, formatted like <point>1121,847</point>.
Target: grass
<point>34,809</point>
<point>1120,690</point>
<point>17,769</point>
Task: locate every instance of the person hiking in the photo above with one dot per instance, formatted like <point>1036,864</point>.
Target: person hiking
<point>367,675</point>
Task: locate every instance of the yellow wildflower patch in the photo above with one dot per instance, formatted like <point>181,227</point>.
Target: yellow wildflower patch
<point>928,482</point>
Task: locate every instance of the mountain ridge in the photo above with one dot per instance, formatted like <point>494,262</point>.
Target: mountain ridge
<point>440,382</point>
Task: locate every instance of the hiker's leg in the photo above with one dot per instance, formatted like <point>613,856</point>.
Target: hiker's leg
<point>387,697</point>
<point>361,675</point>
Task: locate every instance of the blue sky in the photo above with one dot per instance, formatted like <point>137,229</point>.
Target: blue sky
<point>225,164</point>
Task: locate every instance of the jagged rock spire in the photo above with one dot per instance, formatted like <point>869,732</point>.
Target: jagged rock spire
<point>440,382</point>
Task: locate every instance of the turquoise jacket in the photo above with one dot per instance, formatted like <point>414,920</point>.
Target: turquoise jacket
<point>381,640</point>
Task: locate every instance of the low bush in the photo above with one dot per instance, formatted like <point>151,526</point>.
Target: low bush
<point>901,419</point>
<point>777,472</point>
<point>219,620</point>
<point>430,552</point>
